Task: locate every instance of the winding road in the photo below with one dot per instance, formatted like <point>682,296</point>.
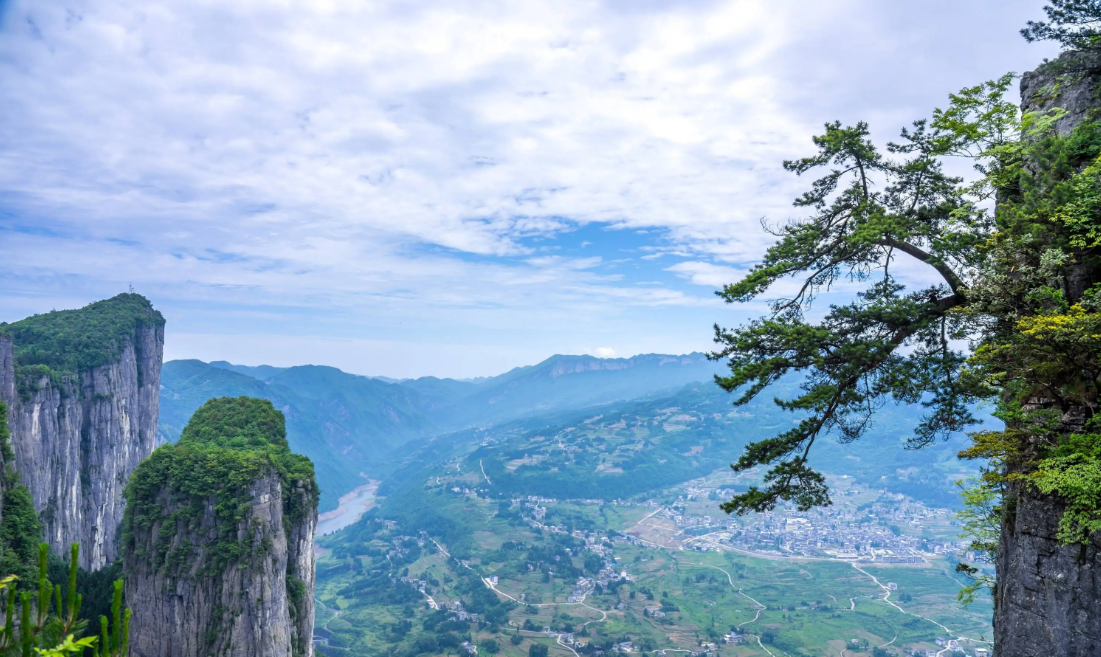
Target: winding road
<point>759,607</point>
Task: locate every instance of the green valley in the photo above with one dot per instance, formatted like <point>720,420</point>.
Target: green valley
<point>586,576</point>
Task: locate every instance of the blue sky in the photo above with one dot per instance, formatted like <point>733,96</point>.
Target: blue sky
<point>449,188</point>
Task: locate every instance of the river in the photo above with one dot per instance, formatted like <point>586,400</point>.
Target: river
<point>351,508</point>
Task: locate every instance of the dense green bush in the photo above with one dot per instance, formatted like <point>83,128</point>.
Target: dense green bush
<point>68,341</point>
<point>227,446</point>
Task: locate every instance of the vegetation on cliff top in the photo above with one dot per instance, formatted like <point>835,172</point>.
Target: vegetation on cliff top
<point>69,341</point>
<point>227,446</point>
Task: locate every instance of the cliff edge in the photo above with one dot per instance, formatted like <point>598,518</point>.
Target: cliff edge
<point>218,539</point>
<point>82,389</point>
<point>1048,594</point>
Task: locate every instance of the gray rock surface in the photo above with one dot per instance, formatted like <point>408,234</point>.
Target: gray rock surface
<point>188,610</point>
<point>1048,597</point>
<point>77,441</point>
<point>1061,84</point>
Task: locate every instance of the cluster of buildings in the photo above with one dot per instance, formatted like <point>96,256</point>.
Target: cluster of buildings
<point>459,613</point>
<point>584,587</point>
<point>733,638</point>
<point>416,583</point>
<point>872,532</point>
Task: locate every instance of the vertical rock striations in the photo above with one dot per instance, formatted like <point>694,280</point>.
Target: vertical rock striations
<point>82,389</point>
<point>218,539</point>
<point>1047,600</point>
<point>1048,594</point>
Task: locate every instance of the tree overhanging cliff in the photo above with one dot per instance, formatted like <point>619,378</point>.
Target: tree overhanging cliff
<point>1017,257</point>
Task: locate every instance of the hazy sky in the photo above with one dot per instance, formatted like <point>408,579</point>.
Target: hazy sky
<point>450,188</point>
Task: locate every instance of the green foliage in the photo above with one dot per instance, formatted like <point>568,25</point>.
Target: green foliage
<point>537,650</point>
<point>227,446</point>
<point>1073,472</point>
<point>865,211</point>
<point>1011,284</point>
<point>242,424</point>
<point>96,588</point>
<point>47,626</point>
<point>20,532</point>
<point>20,528</point>
<point>491,646</point>
<point>7,456</point>
<point>980,523</point>
<point>1075,24</point>
<point>64,342</point>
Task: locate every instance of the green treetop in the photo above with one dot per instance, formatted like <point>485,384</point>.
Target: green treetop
<point>69,341</point>
<point>229,443</point>
<point>1075,24</point>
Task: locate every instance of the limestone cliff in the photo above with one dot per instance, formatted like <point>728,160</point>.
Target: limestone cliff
<point>82,389</point>
<point>218,539</point>
<point>1048,597</point>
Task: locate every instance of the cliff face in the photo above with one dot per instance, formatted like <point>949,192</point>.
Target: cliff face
<point>77,437</point>
<point>218,540</point>
<point>1048,596</point>
<point>247,608</point>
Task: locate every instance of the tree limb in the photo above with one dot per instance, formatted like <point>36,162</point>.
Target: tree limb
<point>946,273</point>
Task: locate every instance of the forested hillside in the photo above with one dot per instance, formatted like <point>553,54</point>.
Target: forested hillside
<point>355,426</point>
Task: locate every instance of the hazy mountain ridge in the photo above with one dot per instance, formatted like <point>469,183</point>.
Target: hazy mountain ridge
<point>626,448</point>
<point>345,423</point>
<point>351,425</point>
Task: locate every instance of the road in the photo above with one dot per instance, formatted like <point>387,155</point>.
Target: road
<point>336,615</point>
<point>887,595</point>
<point>760,607</point>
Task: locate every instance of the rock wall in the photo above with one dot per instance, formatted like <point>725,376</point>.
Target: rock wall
<point>301,564</point>
<point>77,440</point>
<point>184,609</point>
<point>1048,597</point>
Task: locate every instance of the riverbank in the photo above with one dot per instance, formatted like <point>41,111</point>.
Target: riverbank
<point>351,508</point>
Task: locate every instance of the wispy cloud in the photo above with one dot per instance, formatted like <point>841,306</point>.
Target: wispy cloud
<point>396,164</point>
<point>706,273</point>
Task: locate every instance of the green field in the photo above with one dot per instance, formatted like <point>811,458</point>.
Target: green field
<point>792,607</point>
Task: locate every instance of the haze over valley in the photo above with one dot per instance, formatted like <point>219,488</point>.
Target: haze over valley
<point>727,328</point>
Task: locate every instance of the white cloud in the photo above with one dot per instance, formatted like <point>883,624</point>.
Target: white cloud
<point>377,169</point>
<point>705,273</point>
<point>604,352</point>
<point>463,126</point>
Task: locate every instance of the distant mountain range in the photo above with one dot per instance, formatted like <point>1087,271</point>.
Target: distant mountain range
<point>623,449</point>
<point>353,426</point>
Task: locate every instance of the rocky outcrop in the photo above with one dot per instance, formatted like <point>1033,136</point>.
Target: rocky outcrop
<point>252,606</point>
<point>77,436</point>
<point>218,552</point>
<point>1048,594</point>
<point>1047,600</point>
